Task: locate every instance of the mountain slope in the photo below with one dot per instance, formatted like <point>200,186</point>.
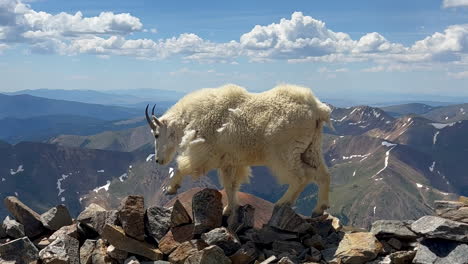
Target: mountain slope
<point>406,109</point>
<point>447,114</point>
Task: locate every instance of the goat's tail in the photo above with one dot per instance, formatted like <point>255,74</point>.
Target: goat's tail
<point>324,115</point>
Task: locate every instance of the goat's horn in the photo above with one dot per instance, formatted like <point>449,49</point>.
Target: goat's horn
<point>155,119</point>
<point>148,119</point>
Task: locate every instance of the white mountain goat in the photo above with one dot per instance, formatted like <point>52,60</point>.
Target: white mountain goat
<point>229,129</point>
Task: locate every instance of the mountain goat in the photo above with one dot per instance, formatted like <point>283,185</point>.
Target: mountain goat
<point>230,129</point>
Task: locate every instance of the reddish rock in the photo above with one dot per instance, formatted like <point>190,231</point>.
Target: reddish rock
<point>207,210</point>
<point>131,215</point>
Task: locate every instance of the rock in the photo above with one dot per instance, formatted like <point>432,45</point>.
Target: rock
<point>2,231</point>
<point>157,221</point>
<point>41,242</point>
<point>291,247</point>
<point>438,227</point>
<point>13,228</point>
<point>70,230</point>
<point>333,239</point>
<point>314,241</point>
<point>25,215</point>
<point>267,235</point>
<point>131,215</point>
<point>20,250</point>
<point>64,249</point>
<point>209,255</point>
<point>463,199</point>
<point>328,254</point>
<point>207,210</point>
<point>175,237</point>
<point>335,222</point>
<point>56,217</point>
<point>116,236</point>
<point>441,251</point>
<point>132,260</point>
<point>395,243</point>
<point>246,254</point>
<point>179,215</point>
<point>242,219</point>
<point>456,211</point>
<point>402,257</point>
<point>269,260</point>
<point>358,248</point>
<point>94,252</point>
<point>184,250</point>
<point>284,218</point>
<point>86,251</point>
<point>392,228</point>
<point>116,253</point>
<point>156,262</point>
<point>285,260</point>
<point>315,255</point>
<point>93,217</point>
<point>224,239</point>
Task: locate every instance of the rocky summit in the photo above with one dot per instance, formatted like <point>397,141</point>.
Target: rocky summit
<point>135,234</point>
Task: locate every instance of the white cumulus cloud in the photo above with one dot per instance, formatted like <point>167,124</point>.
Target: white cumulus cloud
<point>455,3</point>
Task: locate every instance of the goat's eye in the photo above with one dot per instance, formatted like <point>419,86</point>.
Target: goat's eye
<point>156,136</point>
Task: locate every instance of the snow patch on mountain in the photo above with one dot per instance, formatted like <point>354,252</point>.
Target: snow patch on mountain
<point>18,170</point>
<point>104,187</point>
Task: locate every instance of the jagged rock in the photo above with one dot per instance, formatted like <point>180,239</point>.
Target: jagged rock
<point>56,217</point>
<point>179,215</point>
<point>322,225</point>
<point>13,228</point>
<point>441,251</point>
<point>242,219</point>
<point>358,248</point>
<point>315,241</point>
<point>285,260</point>
<point>131,215</point>
<point>207,210</point>
<point>328,254</point>
<point>291,247</point>
<point>246,254</point>
<point>20,250</point>
<point>94,252</point>
<point>267,235</point>
<point>333,239</point>
<point>438,227</point>
<point>463,199</point>
<point>93,217</point>
<point>209,255</point>
<point>284,218</point>
<point>116,253</point>
<point>86,251</point>
<point>158,221</point>
<point>456,211</point>
<point>224,239</point>
<point>132,260</point>
<point>175,237</point>
<point>25,215</point>
<point>41,242</point>
<point>70,230</point>
<point>401,257</point>
<point>64,249</point>
<point>395,243</point>
<point>116,236</point>
<point>392,228</point>
<point>184,250</point>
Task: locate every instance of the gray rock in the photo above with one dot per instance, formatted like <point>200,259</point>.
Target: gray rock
<point>116,253</point>
<point>328,254</point>
<point>207,210</point>
<point>20,250</point>
<point>179,215</point>
<point>284,218</point>
<point>438,251</point>
<point>64,249</point>
<point>402,257</point>
<point>290,247</point>
<point>13,228</point>
<point>25,215</point>
<point>392,228</point>
<point>86,251</point>
<point>456,211</point>
<point>56,217</point>
<point>209,255</point>
<point>395,243</point>
<point>246,254</point>
<point>132,260</point>
<point>131,215</point>
<point>185,250</point>
<point>158,221</point>
<point>71,230</point>
<point>93,219</point>
<point>438,227</point>
<point>224,239</point>
<point>94,252</point>
<point>315,241</point>
<point>242,219</point>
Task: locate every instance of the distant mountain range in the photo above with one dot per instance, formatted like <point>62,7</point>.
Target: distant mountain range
<point>386,163</point>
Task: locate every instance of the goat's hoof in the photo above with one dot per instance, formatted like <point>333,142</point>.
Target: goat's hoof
<point>171,190</point>
<point>227,211</point>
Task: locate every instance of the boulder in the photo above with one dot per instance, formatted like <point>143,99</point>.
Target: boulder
<point>207,210</point>
<point>116,236</point>
<point>242,219</point>
<point>70,230</point>
<point>315,241</point>
<point>25,215</point>
<point>20,250</point>
<point>175,237</point>
<point>286,219</point>
<point>132,260</point>
<point>94,252</point>
<point>116,253</point>
<point>209,255</point>
<point>463,199</point>
<point>438,227</point>
<point>184,250</point>
<point>358,248</point>
<point>64,249</point>
<point>132,215</point>
<point>179,215</point>
<point>456,211</point>
<point>441,251</point>
<point>392,228</point>
<point>12,228</point>
<point>247,253</point>
<point>402,257</point>
<point>395,243</point>
<point>93,217</point>
<point>222,238</point>
<point>158,221</point>
<point>290,247</point>
<point>56,217</point>
<point>86,251</point>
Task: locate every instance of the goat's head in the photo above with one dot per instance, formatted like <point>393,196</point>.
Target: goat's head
<point>165,140</point>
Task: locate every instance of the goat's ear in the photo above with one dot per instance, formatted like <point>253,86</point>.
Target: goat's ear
<point>156,121</point>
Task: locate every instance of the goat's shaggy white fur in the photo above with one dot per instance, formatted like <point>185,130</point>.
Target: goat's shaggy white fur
<point>230,129</point>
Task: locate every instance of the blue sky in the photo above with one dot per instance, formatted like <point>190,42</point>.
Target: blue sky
<point>375,49</point>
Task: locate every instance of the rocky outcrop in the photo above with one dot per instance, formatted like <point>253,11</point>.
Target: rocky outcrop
<point>168,235</point>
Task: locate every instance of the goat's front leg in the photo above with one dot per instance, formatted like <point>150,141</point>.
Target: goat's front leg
<point>324,189</point>
<point>176,179</point>
<point>231,178</point>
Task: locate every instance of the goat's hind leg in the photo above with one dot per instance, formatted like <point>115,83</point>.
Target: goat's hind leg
<point>323,182</point>
<point>231,178</point>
